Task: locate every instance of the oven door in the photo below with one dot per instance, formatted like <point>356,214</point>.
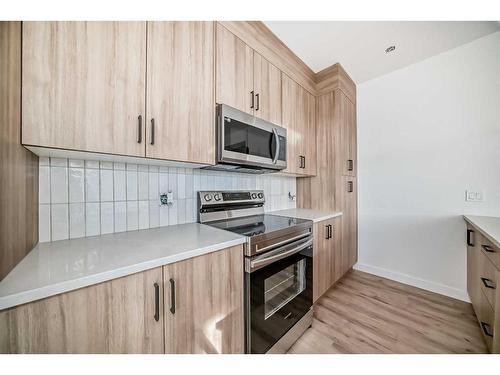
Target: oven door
<point>247,140</point>
<point>278,293</point>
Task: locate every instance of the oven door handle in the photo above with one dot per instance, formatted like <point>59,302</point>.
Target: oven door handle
<point>277,151</point>
<point>259,263</point>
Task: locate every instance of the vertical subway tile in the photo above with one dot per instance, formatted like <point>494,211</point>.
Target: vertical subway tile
<point>172,213</point>
<point>154,169</point>
<point>189,211</point>
<point>163,183</point>
<point>181,211</point>
<point>132,215</point>
<point>181,186</point>
<point>163,215</point>
<point>143,214</point>
<point>172,181</point>
<point>76,220</point>
<point>106,165</point>
<point>119,185</point>
<point>76,185</point>
<point>58,185</point>
<point>106,185</point>
<point>76,163</point>
<point>59,162</point>
<point>143,168</point>
<point>120,213</point>
<point>189,185</point>
<point>92,219</point>
<point>44,184</point>
<point>131,185</point>
<point>143,185</point>
<point>92,185</point>
<point>44,223</point>
<point>131,167</point>
<point>59,221</point>
<point>154,214</point>
<point>91,164</point>
<point>43,161</point>
<point>107,217</point>
<point>119,166</point>
<point>153,185</point>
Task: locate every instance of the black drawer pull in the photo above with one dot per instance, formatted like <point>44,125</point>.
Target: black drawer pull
<point>350,165</point>
<point>488,283</point>
<point>253,99</point>
<point>486,327</point>
<point>488,249</point>
<point>157,301</point>
<point>172,296</point>
<point>469,241</point>
<point>152,132</point>
<point>139,129</point>
<point>350,186</point>
<point>257,96</point>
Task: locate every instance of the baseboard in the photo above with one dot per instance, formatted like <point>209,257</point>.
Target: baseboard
<point>414,281</point>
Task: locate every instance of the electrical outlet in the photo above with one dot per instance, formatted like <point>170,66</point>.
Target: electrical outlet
<point>474,196</point>
<point>167,199</point>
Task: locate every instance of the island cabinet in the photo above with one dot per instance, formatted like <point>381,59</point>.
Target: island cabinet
<point>142,89</point>
<point>192,306</point>
<point>483,280</point>
<point>204,304</point>
<point>246,80</point>
<point>118,316</point>
<point>327,255</point>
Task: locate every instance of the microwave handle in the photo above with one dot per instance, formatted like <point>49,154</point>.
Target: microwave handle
<point>277,151</point>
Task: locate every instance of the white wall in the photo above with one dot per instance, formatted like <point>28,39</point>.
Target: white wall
<point>427,133</point>
<point>80,198</point>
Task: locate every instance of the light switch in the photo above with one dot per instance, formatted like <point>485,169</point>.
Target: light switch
<point>474,196</point>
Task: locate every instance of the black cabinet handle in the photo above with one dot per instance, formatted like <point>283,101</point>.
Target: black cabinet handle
<point>157,301</point>
<point>139,129</point>
<point>469,241</point>
<point>253,99</point>
<point>152,131</point>
<point>327,232</point>
<point>257,96</point>
<point>172,296</point>
<point>488,283</point>
<point>488,249</point>
<point>350,186</point>
<point>304,163</point>
<point>485,327</point>
<point>350,165</point>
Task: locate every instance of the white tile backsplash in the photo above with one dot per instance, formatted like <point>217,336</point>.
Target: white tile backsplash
<point>87,198</point>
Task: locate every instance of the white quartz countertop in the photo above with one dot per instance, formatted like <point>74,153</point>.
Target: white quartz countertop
<point>56,267</point>
<point>489,226</point>
<point>308,214</point>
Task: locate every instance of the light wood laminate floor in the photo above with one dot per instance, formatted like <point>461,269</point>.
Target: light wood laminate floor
<point>363,313</point>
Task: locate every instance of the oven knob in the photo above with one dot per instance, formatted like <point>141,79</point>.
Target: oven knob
<point>261,195</point>
<point>254,196</point>
<point>208,197</point>
<point>217,197</point>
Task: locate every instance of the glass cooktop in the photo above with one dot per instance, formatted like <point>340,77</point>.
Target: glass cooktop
<point>258,224</point>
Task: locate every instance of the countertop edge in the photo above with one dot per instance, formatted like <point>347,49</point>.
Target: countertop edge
<point>492,239</point>
<point>33,295</point>
<point>318,219</point>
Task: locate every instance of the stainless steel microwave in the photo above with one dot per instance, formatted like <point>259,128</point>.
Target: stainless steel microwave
<point>246,143</point>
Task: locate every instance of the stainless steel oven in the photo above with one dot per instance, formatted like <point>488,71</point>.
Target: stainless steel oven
<point>248,144</point>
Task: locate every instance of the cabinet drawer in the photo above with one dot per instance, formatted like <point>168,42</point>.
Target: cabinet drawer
<point>491,251</point>
<point>486,319</point>
<point>487,278</point>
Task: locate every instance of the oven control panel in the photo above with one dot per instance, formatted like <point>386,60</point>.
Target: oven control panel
<point>216,197</point>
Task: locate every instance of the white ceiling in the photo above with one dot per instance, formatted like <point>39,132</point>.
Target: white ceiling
<point>360,45</point>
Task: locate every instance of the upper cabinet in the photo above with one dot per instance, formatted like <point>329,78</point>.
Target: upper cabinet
<point>180,91</point>
<point>347,113</point>
<point>246,80</point>
<point>83,86</point>
<point>298,117</point>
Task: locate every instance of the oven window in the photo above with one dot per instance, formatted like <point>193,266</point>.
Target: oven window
<point>282,287</point>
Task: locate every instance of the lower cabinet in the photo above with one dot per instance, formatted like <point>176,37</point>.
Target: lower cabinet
<point>192,306</point>
<point>349,208</point>
<point>327,255</point>
<point>483,278</point>
<point>204,304</point>
<point>117,316</point>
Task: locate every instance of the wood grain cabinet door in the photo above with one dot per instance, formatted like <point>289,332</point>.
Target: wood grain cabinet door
<point>309,131</point>
<point>117,316</point>
<point>473,253</point>
<point>347,119</point>
<point>204,303</point>
<point>267,88</point>
<point>323,257</point>
<point>83,86</point>
<point>349,223</point>
<point>234,72</point>
<point>180,92</point>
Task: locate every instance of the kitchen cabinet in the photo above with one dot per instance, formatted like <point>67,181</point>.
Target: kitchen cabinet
<point>349,207</point>
<point>299,118</point>
<point>118,316</point>
<point>483,276</point>
<point>327,256</point>
<point>348,143</point>
<point>204,303</point>
<point>245,79</point>
<point>83,86</point>
<point>180,91</point>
